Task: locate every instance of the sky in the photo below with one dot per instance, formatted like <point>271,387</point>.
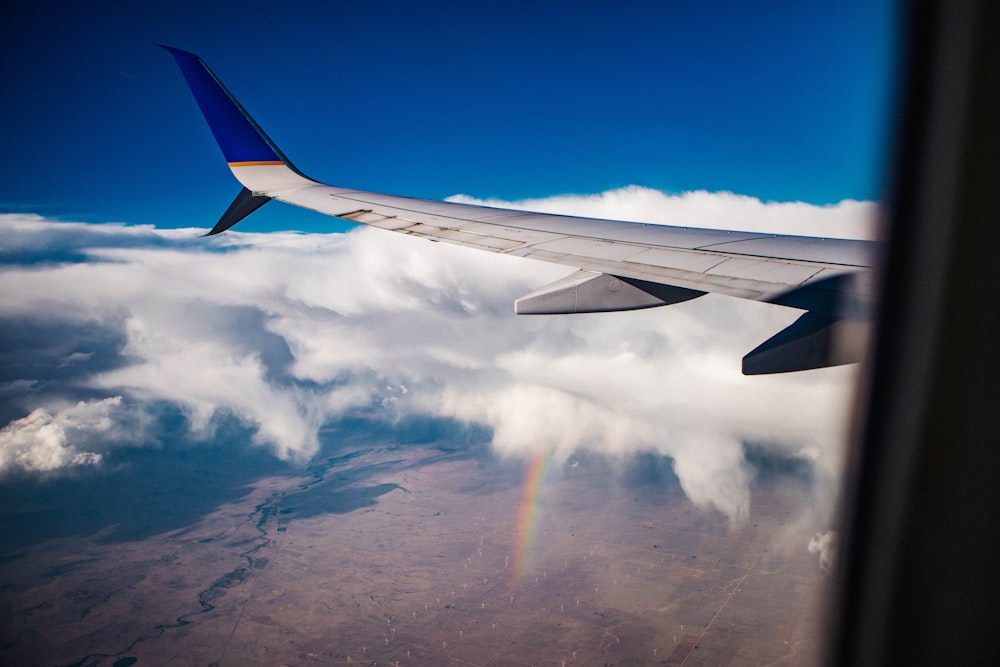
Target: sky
<point>783,101</point>
<point>123,329</point>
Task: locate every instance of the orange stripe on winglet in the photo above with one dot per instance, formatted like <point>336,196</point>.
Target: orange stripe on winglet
<point>264,163</point>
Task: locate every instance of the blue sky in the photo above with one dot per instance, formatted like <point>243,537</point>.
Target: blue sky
<point>781,100</point>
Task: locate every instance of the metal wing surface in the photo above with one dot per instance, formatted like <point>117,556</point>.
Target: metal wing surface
<point>741,264</point>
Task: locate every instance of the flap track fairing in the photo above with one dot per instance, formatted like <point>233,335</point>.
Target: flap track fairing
<point>591,292</point>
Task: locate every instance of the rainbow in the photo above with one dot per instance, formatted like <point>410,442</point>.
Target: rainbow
<point>527,516</point>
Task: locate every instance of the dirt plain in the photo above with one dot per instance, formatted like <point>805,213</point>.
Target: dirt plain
<point>392,555</point>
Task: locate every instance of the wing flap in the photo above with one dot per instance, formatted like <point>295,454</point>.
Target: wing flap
<point>772,271</point>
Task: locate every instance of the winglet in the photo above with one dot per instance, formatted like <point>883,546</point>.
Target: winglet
<point>245,203</point>
<point>242,141</point>
<point>256,162</point>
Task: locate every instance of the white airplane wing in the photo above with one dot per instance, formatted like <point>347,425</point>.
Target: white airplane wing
<point>621,265</point>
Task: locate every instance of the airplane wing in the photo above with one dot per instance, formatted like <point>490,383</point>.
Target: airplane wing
<point>620,265</point>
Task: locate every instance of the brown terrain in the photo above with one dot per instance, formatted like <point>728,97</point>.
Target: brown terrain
<point>405,556</point>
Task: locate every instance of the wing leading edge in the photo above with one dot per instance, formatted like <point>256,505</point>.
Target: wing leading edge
<point>620,265</point>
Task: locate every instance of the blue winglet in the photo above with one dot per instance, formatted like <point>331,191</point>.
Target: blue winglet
<point>240,138</point>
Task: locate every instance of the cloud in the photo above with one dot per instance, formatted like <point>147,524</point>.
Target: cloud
<point>824,545</point>
<point>50,440</point>
<point>849,218</point>
<point>30,238</point>
<point>289,332</point>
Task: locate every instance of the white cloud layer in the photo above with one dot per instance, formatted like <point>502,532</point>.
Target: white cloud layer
<point>50,440</point>
<point>289,332</point>
<point>848,219</point>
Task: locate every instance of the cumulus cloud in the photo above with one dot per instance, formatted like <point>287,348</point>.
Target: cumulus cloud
<point>288,332</point>
<point>52,439</point>
<point>849,219</point>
